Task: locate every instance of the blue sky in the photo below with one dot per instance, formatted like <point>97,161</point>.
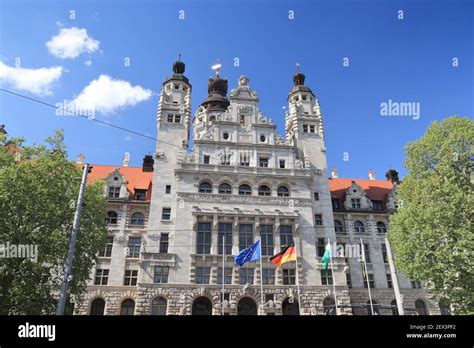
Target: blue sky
<point>409,60</point>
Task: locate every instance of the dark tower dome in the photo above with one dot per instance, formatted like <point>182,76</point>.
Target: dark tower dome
<point>298,79</point>
<point>178,67</point>
<point>217,90</point>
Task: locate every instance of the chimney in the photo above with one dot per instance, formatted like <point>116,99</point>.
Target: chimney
<point>80,158</point>
<point>126,159</point>
<point>392,175</point>
<point>148,162</point>
<point>334,173</point>
<point>372,174</point>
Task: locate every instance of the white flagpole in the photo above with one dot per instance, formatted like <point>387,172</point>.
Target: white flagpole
<point>333,278</point>
<point>297,279</point>
<point>223,270</point>
<point>261,279</point>
<point>366,275</point>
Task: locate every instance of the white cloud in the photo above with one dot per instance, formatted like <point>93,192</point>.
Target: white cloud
<point>36,81</point>
<point>106,95</point>
<point>88,62</point>
<point>71,42</point>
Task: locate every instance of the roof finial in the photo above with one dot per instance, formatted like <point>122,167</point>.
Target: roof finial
<point>217,68</point>
<point>297,67</point>
<point>179,56</point>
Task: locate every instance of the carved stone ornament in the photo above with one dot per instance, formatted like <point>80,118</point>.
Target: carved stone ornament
<point>279,140</point>
<point>299,164</point>
<point>160,155</point>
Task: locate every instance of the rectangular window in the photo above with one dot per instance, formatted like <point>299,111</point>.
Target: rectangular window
<point>377,205</point>
<point>282,164</point>
<point>384,253</point>
<point>415,284</point>
<point>316,196</point>
<point>168,189</point>
<point>268,276</point>
<point>161,274</point>
<point>206,159</point>
<point>371,281</point>
<point>114,192</point>
<point>366,253</point>
<point>321,247</point>
<point>202,275</point>
<point>244,159</point>
<point>245,275</point>
<point>311,128</point>
<point>225,159</point>
<point>355,203</point>
<point>336,204</point>
<point>140,195</point>
<point>164,241</point>
<point>348,280</point>
<point>225,231</point>
<point>318,219</point>
<point>107,251</point>
<point>245,236</point>
<point>170,118</point>
<point>305,128</point>
<point>389,280</point>
<point>326,277</point>
<point>289,276</point>
<point>263,162</point>
<point>203,245</point>
<point>131,277</point>
<point>101,277</point>
<point>177,118</point>
<point>166,214</point>
<point>266,235</point>
<point>227,275</point>
<point>134,247</point>
<point>286,236</point>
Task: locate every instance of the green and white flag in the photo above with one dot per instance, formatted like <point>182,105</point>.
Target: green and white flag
<point>326,257</point>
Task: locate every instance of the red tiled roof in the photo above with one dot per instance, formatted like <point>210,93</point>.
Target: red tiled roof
<point>375,189</point>
<point>136,177</point>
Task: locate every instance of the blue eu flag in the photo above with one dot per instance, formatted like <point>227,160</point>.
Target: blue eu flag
<point>252,253</point>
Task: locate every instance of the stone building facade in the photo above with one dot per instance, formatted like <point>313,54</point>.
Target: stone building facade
<point>176,222</point>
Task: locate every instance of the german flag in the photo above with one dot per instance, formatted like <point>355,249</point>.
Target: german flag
<point>286,255</point>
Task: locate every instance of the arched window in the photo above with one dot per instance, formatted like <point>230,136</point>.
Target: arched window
<point>158,306</point>
<point>329,306</point>
<point>205,187</point>
<point>138,219</point>
<point>202,306</point>
<point>111,217</point>
<point>394,307</point>
<point>98,307</point>
<point>376,308</point>
<point>381,228</point>
<point>359,227</point>
<point>290,307</point>
<point>264,190</point>
<point>127,307</point>
<point>444,308</point>
<point>225,189</point>
<point>283,191</point>
<point>420,308</point>
<point>245,190</point>
<point>338,226</point>
<point>246,306</point>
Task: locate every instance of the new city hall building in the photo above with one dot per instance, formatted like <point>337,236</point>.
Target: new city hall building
<point>176,221</point>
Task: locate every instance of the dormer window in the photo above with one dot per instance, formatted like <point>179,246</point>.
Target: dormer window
<point>377,205</point>
<point>114,192</point>
<point>304,97</point>
<point>140,195</point>
<point>355,203</point>
<point>176,86</point>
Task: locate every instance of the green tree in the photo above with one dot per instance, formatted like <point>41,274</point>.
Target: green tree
<point>432,231</point>
<point>38,194</point>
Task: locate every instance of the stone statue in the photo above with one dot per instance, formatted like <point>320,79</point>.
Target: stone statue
<point>126,159</point>
<point>243,81</point>
<point>299,164</point>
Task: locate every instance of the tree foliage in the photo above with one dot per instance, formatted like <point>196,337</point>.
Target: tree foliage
<point>38,194</point>
<point>432,231</point>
